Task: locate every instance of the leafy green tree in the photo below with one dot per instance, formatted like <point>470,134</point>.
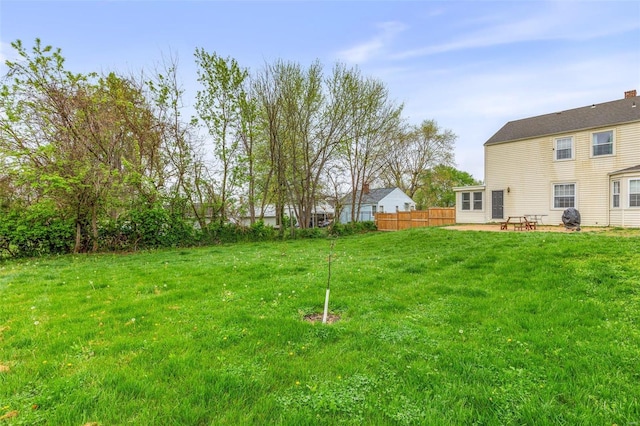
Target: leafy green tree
<point>219,105</point>
<point>86,142</point>
<point>437,185</point>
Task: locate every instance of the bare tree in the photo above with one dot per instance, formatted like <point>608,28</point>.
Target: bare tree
<point>372,123</point>
<point>184,166</point>
<point>416,150</point>
<point>269,98</point>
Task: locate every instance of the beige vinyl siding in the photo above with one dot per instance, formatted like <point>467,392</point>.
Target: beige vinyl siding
<point>466,216</point>
<point>527,170</point>
<point>625,218</point>
<point>471,215</point>
<point>625,215</point>
<point>516,168</point>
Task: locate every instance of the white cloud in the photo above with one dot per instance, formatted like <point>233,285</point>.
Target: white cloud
<point>475,99</point>
<point>565,21</point>
<point>367,50</point>
<point>6,52</point>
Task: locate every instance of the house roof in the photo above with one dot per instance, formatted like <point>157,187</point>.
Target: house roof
<point>627,170</point>
<point>373,197</point>
<point>596,115</point>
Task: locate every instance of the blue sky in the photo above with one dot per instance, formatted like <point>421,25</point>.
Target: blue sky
<point>470,65</point>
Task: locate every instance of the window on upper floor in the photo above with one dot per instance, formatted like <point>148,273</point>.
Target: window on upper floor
<point>564,148</point>
<point>634,193</point>
<point>602,143</point>
<point>564,195</point>
<point>615,194</point>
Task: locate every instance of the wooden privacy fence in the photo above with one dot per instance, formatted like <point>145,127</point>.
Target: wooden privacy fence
<point>436,216</point>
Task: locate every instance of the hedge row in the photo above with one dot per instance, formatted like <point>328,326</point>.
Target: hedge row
<point>40,231</point>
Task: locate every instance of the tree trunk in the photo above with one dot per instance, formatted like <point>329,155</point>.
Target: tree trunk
<point>78,244</point>
<point>94,228</point>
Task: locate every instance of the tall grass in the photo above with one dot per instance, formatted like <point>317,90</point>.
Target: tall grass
<point>437,327</point>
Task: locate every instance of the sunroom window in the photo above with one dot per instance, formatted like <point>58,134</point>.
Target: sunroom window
<point>466,200</point>
<point>634,193</point>
<point>477,200</point>
<point>615,194</point>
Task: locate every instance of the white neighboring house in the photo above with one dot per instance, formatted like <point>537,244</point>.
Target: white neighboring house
<point>382,200</point>
<point>322,213</point>
<point>587,158</point>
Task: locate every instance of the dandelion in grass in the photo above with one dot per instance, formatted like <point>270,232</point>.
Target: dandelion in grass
<point>36,323</point>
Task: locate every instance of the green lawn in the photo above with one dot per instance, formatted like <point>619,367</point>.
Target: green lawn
<point>437,327</point>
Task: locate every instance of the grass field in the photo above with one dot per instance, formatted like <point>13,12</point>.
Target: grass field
<point>436,327</point>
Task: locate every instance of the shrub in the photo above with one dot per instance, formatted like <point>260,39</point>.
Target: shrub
<point>311,233</point>
<point>352,228</point>
<point>146,228</point>
<point>36,230</point>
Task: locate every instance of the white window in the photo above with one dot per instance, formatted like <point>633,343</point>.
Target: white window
<point>564,148</point>
<point>477,200</point>
<point>406,207</point>
<point>615,194</point>
<point>466,201</point>
<point>634,193</point>
<point>564,195</point>
<point>602,143</point>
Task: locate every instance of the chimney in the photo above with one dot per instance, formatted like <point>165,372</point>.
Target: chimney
<point>630,94</point>
<point>365,188</point>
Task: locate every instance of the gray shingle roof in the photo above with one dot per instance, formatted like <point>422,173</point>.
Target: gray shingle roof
<point>373,197</point>
<point>597,115</point>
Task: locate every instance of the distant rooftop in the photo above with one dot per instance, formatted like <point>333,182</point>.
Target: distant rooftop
<point>588,117</point>
<point>373,196</point>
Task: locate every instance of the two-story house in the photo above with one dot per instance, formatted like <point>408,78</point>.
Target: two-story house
<point>587,158</point>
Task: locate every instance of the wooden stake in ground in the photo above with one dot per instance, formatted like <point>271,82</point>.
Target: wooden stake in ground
<point>326,297</point>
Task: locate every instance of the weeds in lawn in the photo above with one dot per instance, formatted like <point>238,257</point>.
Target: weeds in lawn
<point>437,327</point>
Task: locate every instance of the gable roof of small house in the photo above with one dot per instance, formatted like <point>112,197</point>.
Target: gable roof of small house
<point>374,196</point>
<point>593,116</point>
